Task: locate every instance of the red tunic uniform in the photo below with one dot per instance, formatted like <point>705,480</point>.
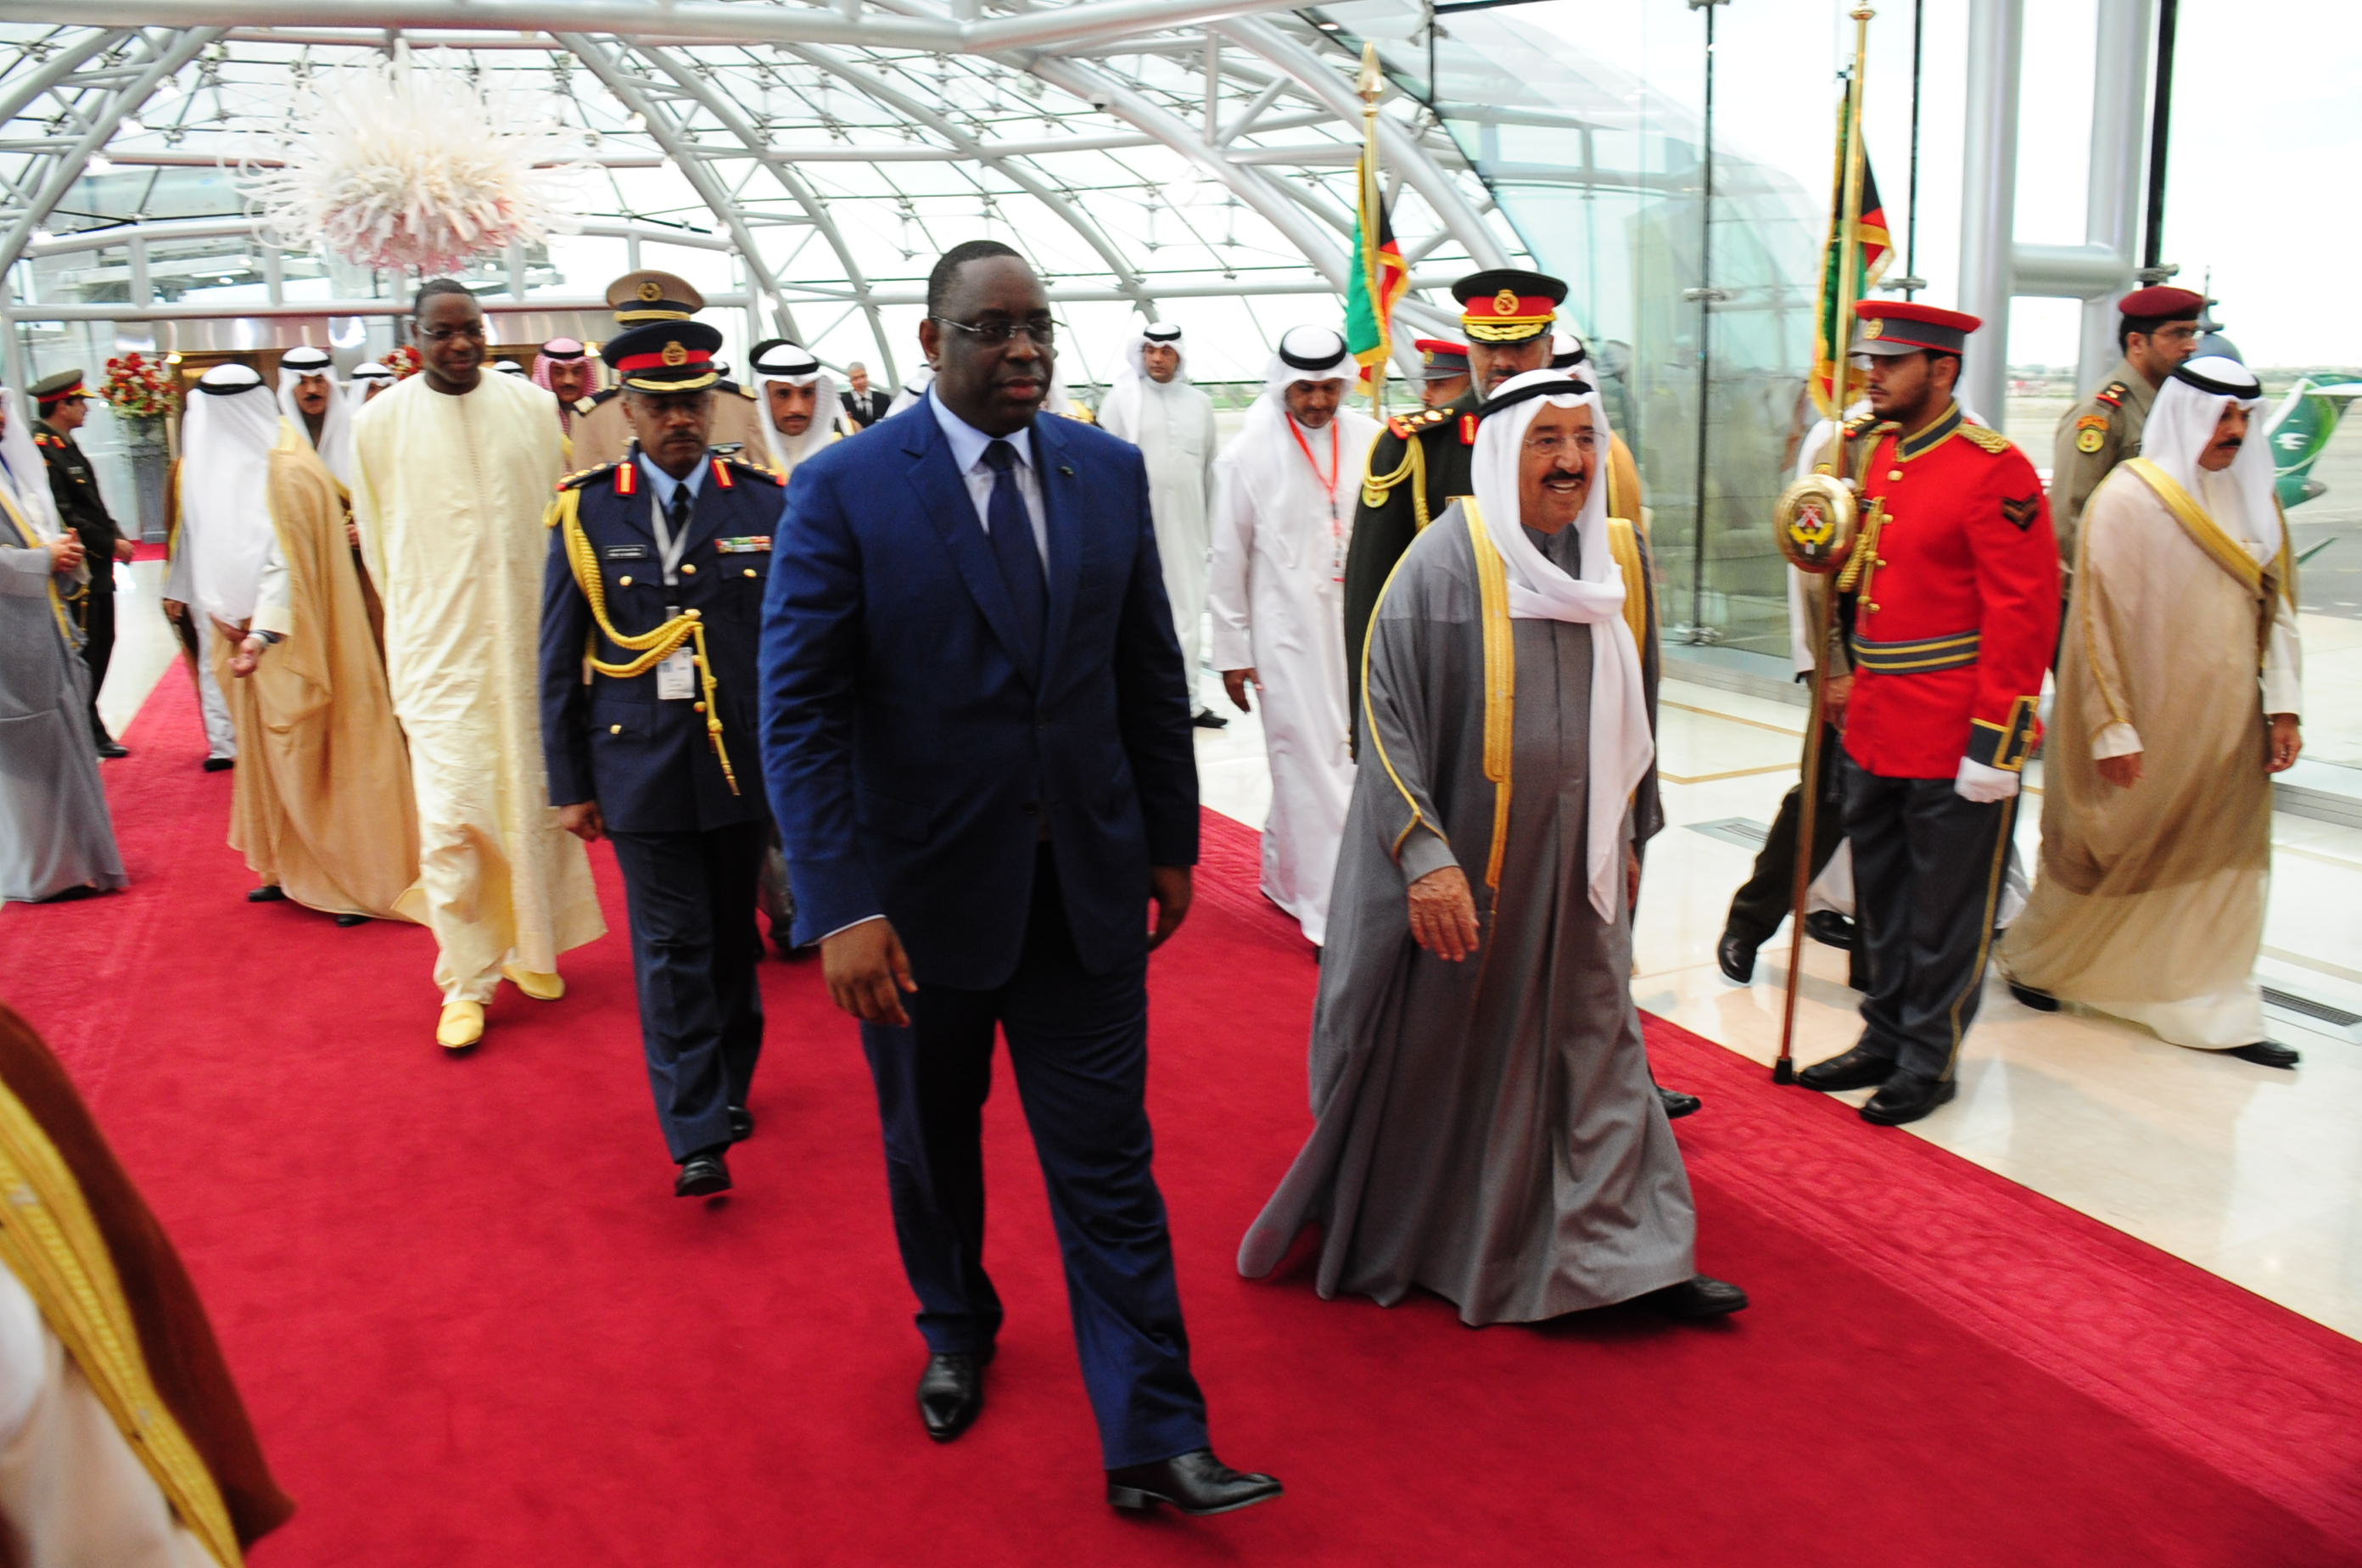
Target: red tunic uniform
<point>1956,602</point>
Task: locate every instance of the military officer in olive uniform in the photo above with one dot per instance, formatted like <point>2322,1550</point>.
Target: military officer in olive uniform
<point>63,403</point>
<point>657,569</point>
<point>638,299</point>
<point>2157,329</point>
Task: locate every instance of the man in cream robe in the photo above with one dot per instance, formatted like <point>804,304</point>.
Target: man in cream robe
<point>322,808</point>
<point>2178,694</point>
<point>1152,404</point>
<point>453,472</point>
<point>1485,1125</point>
<point>1284,497</point>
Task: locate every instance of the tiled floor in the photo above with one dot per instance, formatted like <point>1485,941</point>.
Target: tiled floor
<point>2252,1173</point>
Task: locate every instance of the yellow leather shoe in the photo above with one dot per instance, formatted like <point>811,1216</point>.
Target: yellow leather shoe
<point>461,1025</point>
<point>540,987</point>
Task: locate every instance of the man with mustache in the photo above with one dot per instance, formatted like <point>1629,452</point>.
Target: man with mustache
<point>2179,691</point>
<point>2157,329</point>
<point>976,736</point>
<point>564,368</point>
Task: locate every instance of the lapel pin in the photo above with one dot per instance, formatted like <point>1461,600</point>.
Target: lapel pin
<point>1065,471</point>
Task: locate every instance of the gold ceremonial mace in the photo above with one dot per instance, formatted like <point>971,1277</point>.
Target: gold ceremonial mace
<point>1371,86</point>
<point>1814,520</point>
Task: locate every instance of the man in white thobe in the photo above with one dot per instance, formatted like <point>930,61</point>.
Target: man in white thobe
<point>1284,497</point>
<point>797,397</point>
<point>224,529</point>
<point>454,470</point>
<point>1152,404</point>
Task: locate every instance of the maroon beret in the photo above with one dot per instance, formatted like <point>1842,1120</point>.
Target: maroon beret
<point>2162,303</point>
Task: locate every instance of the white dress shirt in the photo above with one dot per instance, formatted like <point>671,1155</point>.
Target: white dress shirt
<point>967,452</point>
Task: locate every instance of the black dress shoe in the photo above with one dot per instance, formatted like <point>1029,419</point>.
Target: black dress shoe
<point>1196,1483</point>
<point>741,1124</point>
<point>1907,1097</point>
<point>220,763</point>
<point>2040,1001</point>
<point>350,921</point>
<point>1830,929</point>
<point>1737,956</point>
<point>2266,1053</point>
<point>1697,1298</point>
<point>701,1176</point>
<point>1859,1068</point>
<point>1677,1104</point>
<point>1206,719</point>
<point>108,750</point>
<point>269,893</point>
<point>950,1394</point>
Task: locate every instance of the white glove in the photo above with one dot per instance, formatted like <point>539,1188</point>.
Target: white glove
<point>1983,784</point>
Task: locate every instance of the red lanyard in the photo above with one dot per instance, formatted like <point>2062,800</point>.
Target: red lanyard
<point>1327,481</point>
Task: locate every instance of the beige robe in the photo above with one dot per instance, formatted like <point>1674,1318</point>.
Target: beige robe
<point>449,492</point>
<point>2150,905</point>
<point>322,804</point>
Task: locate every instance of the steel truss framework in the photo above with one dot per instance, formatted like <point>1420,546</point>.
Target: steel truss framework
<point>1137,150</point>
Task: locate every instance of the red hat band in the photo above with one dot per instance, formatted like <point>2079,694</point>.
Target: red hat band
<point>671,357</point>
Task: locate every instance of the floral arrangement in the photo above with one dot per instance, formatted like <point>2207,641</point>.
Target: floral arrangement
<point>404,166</point>
<point>403,362</point>
<point>139,388</point>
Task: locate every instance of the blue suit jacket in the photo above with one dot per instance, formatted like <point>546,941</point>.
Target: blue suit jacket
<point>913,760</point>
<point>650,764</point>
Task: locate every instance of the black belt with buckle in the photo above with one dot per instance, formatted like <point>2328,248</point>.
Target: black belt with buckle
<point>1920,656</point>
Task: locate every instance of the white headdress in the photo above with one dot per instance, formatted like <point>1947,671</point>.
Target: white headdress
<point>796,366</point>
<point>336,444</point>
<point>28,477</point>
<point>372,371</point>
<point>1621,748</point>
<point>912,390</point>
<point>1264,450</point>
<point>1119,414</point>
<point>225,530</point>
<point>511,368</point>
<point>2181,423</point>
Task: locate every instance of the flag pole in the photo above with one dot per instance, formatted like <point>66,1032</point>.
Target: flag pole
<point>1783,1068</point>
<point>1371,86</point>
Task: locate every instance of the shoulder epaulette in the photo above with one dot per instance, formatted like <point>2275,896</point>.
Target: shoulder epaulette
<point>45,440</point>
<point>577,479</point>
<point>1861,425</point>
<point>2112,395</point>
<point>585,405</point>
<point>1990,440</point>
<point>1402,428</point>
<point>723,465</point>
<point>1468,423</point>
<point>744,390</point>
<point>601,395</point>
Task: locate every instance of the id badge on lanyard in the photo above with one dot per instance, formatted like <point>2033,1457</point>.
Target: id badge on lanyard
<point>676,672</point>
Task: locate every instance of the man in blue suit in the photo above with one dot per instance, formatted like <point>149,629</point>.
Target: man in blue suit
<point>656,570</point>
<point>976,736</point>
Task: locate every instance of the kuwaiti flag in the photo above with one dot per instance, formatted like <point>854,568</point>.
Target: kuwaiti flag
<point>1871,258</point>
<point>1380,277</point>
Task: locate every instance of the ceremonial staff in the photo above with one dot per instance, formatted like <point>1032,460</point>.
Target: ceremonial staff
<point>1815,520</point>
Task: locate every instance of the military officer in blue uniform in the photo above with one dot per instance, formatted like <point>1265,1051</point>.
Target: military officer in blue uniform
<point>648,630</point>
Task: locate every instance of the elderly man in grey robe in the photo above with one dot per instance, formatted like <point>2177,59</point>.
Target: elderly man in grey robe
<point>1485,1128</point>
<point>56,837</point>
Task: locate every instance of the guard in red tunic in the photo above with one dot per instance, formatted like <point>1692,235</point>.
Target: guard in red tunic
<point>1952,594</point>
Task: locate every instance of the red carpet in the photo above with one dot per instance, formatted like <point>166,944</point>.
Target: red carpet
<point>476,1329</point>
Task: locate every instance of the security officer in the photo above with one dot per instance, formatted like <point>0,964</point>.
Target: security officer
<point>63,403</point>
<point>1953,584</point>
<point>657,569</point>
<point>2157,329</point>
<point>638,299</point>
<point>1443,370</point>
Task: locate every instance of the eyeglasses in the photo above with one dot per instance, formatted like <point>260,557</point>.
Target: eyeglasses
<point>992,333</point>
<point>1553,444</point>
<point>474,331</point>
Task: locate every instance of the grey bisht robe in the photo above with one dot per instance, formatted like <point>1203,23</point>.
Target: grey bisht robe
<point>55,832</point>
<point>1485,1130</point>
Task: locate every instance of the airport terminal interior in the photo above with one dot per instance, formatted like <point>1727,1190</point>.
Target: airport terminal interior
<point>2097,1299</point>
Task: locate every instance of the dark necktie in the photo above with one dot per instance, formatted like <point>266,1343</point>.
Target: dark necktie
<point>1014,548</point>
<point>677,517</point>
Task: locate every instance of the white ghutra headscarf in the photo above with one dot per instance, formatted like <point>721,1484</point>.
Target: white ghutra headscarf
<point>1119,414</point>
<point>336,444</point>
<point>796,366</point>
<point>28,476</point>
<point>226,531</point>
<point>2181,426</point>
<point>1540,590</point>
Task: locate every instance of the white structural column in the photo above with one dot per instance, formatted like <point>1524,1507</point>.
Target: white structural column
<point>2112,208</point>
<point>1988,196</point>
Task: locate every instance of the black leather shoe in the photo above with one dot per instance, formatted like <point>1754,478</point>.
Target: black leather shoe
<point>1206,719</point>
<point>2266,1053</point>
<point>1907,1097</point>
<point>2040,1001</point>
<point>1830,929</point>
<point>1737,956</point>
<point>108,750</point>
<point>1859,1068</point>
<point>741,1124</point>
<point>950,1394</point>
<point>1697,1298</point>
<point>1196,1483</point>
<point>220,763</point>
<point>701,1176</point>
<point>350,921</point>
<point>269,893</point>
<point>1677,1104</point>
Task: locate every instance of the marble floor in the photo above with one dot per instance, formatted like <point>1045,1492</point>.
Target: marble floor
<point>2252,1173</point>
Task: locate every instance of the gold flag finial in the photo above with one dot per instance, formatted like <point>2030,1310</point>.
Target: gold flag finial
<point>1372,82</point>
